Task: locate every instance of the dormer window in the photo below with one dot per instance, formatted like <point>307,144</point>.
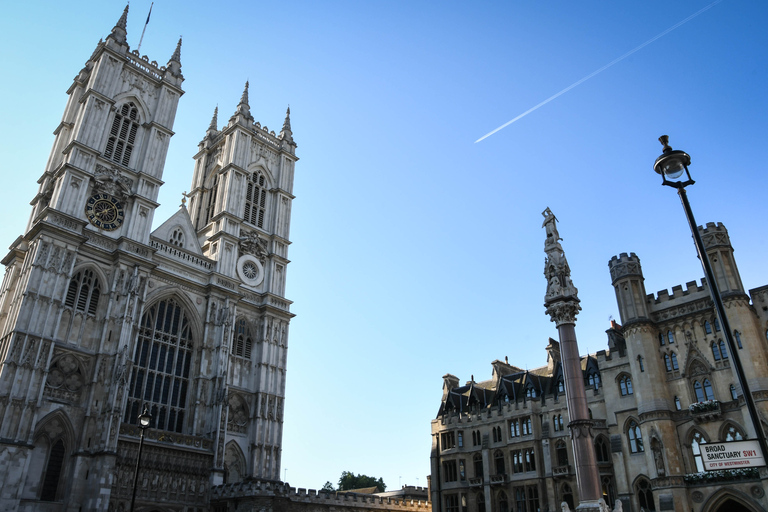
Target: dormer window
<point>122,136</point>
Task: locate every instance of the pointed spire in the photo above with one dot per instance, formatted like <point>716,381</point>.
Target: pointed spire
<point>174,63</point>
<point>119,31</point>
<point>243,109</point>
<point>214,126</point>
<point>286,133</point>
<point>177,52</point>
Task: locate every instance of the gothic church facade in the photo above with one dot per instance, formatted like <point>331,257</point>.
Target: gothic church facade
<point>101,317</point>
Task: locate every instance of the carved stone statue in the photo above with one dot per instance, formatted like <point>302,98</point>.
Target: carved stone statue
<point>550,225</point>
<point>252,243</point>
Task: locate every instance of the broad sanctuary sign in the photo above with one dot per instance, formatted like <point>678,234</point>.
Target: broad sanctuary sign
<point>731,455</point>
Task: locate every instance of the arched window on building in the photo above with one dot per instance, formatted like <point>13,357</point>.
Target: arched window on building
<point>635,437</point>
<point>678,405</point>
<point>703,390</point>
<point>566,494</point>
<point>661,339</point>
<point>733,434</point>
<point>256,199</point>
<point>707,327</point>
<point>641,364</point>
<point>480,499</point>
<point>602,450</point>
<point>594,380</point>
<point>609,491</point>
<point>668,362</point>
<point>83,292</point>
<point>715,351</point>
<point>717,325</point>
<point>478,463</point>
<point>696,440</point>
<point>645,494</point>
<point>723,351</point>
<point>242,342</point>
<point>561,453</point>
<point>737,337</point>
<point>734,396</point>
<point>122,136</point>
<point>560,385</point>
<point>161,365</point>
<point>530,392</point>
<point>625,385</point>
<point>675,366</point>
<point>213,191</point>
<point>498,459</point>
<point>671,337</point>
<point>503,502</point>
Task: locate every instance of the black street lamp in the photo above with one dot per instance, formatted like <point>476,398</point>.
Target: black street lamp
<point>671,165</point>
<point>144,419</point>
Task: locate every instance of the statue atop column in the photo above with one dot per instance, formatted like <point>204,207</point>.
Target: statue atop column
<point>556,269</point>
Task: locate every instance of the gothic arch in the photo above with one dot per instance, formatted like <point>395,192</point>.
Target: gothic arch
<point>724,499</point>
<point>179,295</point>
<point>256,167</point>
<point>726,425</point>
<point>235,467</point>
<point>238,414</point>
<point>142,116</point>
<point>53,441</point>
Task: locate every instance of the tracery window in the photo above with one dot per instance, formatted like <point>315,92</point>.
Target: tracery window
<point>609,491</point>
<point>526,426</point>
<point>567,495</point>
<point>530,392</point>
<point>594,380</point>
<point>241,340</point>
<point>514,428</point>
<point>83,292</point>
<point>177,238</point>
<point>645,495</point>
<point>255,199</point>
<point>122,136</point>
<point>635,437</point>
<point>530,459</point>
<point>625,385</point>
<point>162,360</point>
<point>557,420</point>
<point>517,461</point>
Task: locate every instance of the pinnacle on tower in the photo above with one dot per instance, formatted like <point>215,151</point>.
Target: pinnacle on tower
<point>174,63</point>
<point>214,126</point>
<point>119,31</point>
<point>286,133</point>
<point>243,109</point>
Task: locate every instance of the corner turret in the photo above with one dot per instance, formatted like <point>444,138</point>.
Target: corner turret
<point>717,243</point>
<point>628,282</point>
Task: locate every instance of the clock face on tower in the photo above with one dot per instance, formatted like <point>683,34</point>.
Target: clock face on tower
<point>104,211</point>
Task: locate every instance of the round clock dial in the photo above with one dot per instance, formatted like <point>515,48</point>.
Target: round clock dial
<point>104,211</point>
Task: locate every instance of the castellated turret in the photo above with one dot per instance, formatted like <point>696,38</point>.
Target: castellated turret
<point>717,243</point>
<point>627,279</point>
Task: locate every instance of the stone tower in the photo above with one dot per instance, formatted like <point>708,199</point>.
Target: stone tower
<point>101,317</point>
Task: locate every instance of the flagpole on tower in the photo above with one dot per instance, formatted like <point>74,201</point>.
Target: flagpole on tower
<point>145,26</point>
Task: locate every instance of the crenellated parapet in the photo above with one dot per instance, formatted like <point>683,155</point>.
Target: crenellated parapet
<point>300,499</point>
<point>625,265</point>
<point>714,235</point>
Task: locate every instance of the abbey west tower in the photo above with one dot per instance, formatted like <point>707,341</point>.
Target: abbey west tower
<point>101,317</point>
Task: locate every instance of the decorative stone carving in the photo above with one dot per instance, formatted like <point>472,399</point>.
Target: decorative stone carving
<point>563,312</point>
<point>111,181</point>
<point>252,243</point>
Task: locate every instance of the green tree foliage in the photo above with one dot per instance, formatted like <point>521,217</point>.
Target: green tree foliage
<point>327,486</point>
<point>349,481</point>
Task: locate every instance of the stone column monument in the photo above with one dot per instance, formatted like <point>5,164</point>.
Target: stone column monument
<point>562,303</point>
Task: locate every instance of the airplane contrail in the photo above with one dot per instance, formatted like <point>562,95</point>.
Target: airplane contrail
<point>618,59</point>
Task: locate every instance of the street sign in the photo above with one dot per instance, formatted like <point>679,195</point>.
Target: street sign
<point>731,455</point>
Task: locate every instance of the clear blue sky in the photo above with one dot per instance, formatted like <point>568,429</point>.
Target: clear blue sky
<point>417,252</point>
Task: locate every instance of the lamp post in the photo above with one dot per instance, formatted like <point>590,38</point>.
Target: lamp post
<point>671,165</point>
<point>144,419</point>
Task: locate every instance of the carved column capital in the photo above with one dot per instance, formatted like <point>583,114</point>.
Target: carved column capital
<point>563,312</point>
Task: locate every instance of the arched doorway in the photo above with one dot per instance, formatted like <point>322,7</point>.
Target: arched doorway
<point>731,505</point>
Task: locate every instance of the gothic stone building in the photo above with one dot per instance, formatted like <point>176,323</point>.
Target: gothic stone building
<point>662,388</point>
<point>100,317</point>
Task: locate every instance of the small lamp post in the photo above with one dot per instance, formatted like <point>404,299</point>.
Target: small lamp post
<point>144,419</point>
<point>671,165</point>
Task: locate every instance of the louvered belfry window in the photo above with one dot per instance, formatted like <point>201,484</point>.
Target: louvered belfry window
<point>161,365</point>
<point>122,136</point>
<point>83,292</point>
<point>256,199</point>
<point>242,342</point>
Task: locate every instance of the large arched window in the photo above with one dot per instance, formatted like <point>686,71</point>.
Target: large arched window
<point>162,361</point>
<point>83,292</point>
<point>645,494</point>
<point>241,340</point>
<point>122,136</point>
<point>696,440</point>
<point>635,437</point>
<point>256,199</point>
